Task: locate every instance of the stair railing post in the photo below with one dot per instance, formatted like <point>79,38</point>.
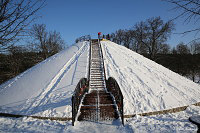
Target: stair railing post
<point>73,111</point>
<point>122,112</point>
<point>89,61</point>
<point>102,59</point>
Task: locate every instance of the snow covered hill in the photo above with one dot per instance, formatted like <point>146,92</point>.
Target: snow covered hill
<point>146,85</point>
<point>46,90</point>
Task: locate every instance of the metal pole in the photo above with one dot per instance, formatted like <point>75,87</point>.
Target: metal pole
<point>73,120</point>
<point>122,112</point>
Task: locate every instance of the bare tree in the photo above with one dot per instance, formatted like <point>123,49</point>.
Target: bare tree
<point>39,33</point>
<point>123,37</point>
<point>119,36</point>
<point>139,35</point>
<point>195,48</point>
<point>182,48</point>
<point>55,43</point>
<point>112,37</point>
<point>152,34</point>
<point>174,51</point>
<point>15,16</point>
<point>164,49</point>
<point>48,43</point>
<point>127,38</point>
<point>190,10</point>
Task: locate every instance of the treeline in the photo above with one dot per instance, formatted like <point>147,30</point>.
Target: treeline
<point>15,63</point>
<point>187,65</point>
<point>41,45</point>
<point>183,59</point>
<point>149,39</point>
<point>146,36</point>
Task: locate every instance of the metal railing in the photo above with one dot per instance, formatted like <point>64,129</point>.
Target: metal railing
<point>114,89</point>
<point>102,60</point>
<point>80,90</point>
<point>89,61</point>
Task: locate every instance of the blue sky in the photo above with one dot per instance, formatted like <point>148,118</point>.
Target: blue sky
<point>75,18</point>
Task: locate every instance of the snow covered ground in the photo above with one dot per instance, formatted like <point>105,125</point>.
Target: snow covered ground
<point>169,123</point>
<point>46,90</point>
<point>146,85</point>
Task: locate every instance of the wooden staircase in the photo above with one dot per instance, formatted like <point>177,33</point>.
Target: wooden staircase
<point>98,104</point>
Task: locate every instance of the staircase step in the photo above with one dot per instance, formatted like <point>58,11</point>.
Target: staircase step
<point>96,71</point>
<point>105,113</point>
<point>97,80</point>
<point>97,77</point>
<point>97,86</point>
<point>94,68</point>
<point>94,88</point>
<point>96,74</point>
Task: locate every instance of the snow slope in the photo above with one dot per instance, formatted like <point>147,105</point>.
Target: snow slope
<point>46,88</point>
<point>146,85</point>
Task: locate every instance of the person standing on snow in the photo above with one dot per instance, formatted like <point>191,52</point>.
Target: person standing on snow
<point>103,36</point>
<point>99,35</point>
<point>108,36</point>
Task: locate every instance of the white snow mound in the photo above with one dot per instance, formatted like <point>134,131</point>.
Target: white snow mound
<point>46,88</point>
<point>146,85</point>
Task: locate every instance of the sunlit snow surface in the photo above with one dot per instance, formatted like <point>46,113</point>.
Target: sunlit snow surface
<point>46,90</point>
<point>146,85</point>
<point>169,123</point>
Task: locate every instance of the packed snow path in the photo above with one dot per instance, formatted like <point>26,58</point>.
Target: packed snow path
<point>97,104</point>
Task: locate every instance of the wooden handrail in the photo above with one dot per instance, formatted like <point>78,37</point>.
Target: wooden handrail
<point>80,90</point>
<point>113,87</point>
